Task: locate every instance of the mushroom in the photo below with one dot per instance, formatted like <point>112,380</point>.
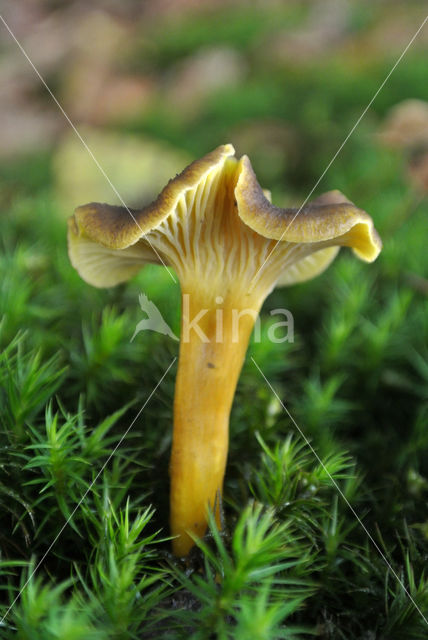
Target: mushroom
<point>229,247</point>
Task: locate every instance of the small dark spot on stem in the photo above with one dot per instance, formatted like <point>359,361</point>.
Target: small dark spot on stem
<point>210,365</point>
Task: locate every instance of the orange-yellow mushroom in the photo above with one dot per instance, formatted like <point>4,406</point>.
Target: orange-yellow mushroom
<point>229,247</point>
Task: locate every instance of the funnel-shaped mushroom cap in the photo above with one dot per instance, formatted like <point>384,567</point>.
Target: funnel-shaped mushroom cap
<point>214,223</point>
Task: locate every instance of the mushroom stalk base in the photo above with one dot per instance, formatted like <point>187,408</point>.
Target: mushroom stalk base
<point>209,366</point>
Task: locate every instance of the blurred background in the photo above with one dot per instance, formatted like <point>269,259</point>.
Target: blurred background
<point>152,85</point>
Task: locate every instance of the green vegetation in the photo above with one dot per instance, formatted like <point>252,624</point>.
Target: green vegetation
<point>292,561</point>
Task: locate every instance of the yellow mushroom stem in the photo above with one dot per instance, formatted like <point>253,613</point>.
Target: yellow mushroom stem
<point>210,362</point>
